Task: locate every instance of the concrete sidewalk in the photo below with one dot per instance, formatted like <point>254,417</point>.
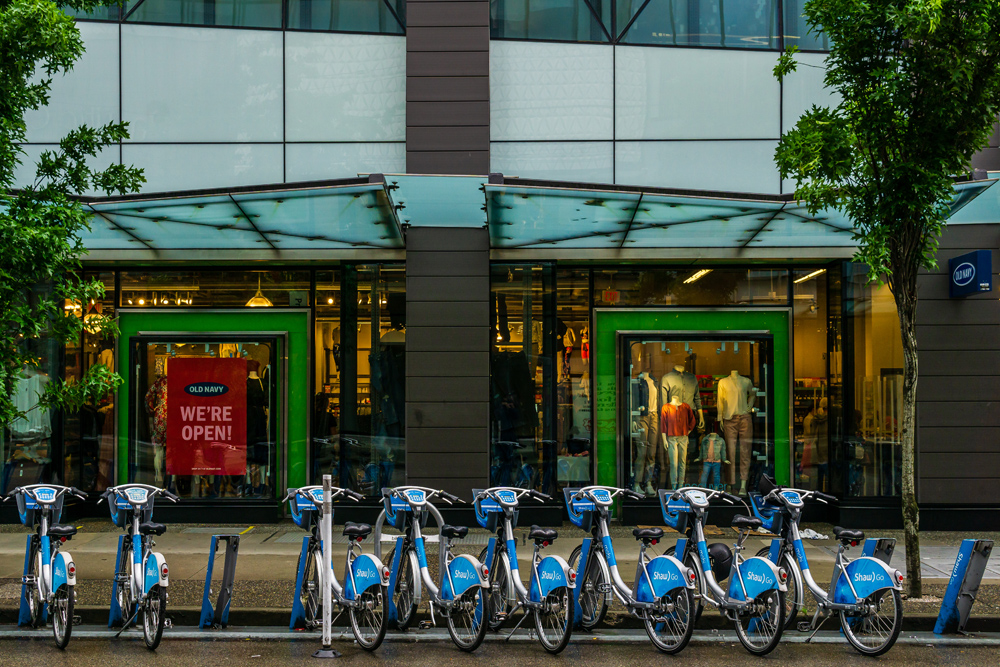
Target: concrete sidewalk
<point>268,556</point>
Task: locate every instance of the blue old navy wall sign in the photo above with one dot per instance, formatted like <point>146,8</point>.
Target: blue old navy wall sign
<point>971,273</point>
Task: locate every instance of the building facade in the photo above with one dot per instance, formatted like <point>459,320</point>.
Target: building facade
<point>468,243</point>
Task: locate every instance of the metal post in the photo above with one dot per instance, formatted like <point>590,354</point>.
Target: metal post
<point>326,532</point>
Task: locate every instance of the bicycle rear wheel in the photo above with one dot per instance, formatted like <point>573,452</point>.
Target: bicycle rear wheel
<point>876,630</point>
<point>670,626</point>
<point>467,620</point>
<point>62,615</point>
<point>593,603</point>
<point>404,598</point>
<point>310,595</point>
<point>154,611</point>
<point>501,597</point>
<point>700,588</point>
<point>554,621</point>
<point>759,627</point>
<point>368,617</point>
<point>795,596</point>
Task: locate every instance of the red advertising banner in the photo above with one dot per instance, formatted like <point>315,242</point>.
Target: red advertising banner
<point>206,416</point>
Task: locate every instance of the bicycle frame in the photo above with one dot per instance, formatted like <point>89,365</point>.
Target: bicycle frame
<point>148,568</point>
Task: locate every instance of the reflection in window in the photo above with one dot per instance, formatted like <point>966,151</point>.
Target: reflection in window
<point>105,13</point>
<point>235,13</point>
<point>797,31</point>
<point>373,16</point>
<point>690,287</point>
<point>359,408</point>
<point>751,24</point>
<point>557,20</point>
<point>216,289</point>
<point>869,454</point>
<point>811,403</point>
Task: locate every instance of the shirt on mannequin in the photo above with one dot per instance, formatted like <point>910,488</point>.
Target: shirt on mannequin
<point>685,385</point>
<point>736,396</point>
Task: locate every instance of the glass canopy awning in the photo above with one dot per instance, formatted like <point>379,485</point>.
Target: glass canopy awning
<point>540,215</point>
<point>334,215</point>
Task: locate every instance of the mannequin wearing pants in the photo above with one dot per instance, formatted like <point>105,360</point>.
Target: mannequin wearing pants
<point>649,427</point>
<point>736,397</point>
<point>676,421</point>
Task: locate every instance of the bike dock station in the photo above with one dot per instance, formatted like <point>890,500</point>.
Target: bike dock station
<point>218,616</point>
<point>963,587</point>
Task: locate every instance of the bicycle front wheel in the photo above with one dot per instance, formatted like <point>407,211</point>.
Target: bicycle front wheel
<point>154,612</point>
<point>123,581</point>
<point>759,627</point>
<point>874,631</point>
<point>310,595</point>
<point>671,624</point>
<point>31,593</point>
<point>62,616</point>
<point>404,598</point>
<point>597,578</point>
<point>368,616</point>
<point>795,596</point>
<point>501,597</point>
<point>554,621</point>
<point>467,619</point>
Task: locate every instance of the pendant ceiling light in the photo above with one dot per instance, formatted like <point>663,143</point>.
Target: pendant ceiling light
<point>258,300</point>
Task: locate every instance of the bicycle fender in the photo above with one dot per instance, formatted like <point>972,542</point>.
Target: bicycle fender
<point>61,572</point>
<point>153,572</point>
<point>868,575</point>
<point>553,573</point>
<point>667,573</point>
<point>466,572</point>
<point>367,571</point>
<point>758,575</point>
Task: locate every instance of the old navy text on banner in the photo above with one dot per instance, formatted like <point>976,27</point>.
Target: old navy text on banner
<point>206,416</point>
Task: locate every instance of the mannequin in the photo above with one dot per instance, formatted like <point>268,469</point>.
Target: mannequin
<point>156,408</point>
<point>679,381</point>
<point>257,432</point>
<point>815,433</point>
<point>676,422</point>
<point>645,403</point>
<point>712,455</point>
<point>735,401</point>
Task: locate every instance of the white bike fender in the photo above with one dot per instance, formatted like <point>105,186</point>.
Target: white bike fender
<point>61,572</point>
<point>153,574</point>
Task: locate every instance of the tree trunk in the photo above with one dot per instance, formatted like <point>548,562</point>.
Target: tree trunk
<point>905,295</point>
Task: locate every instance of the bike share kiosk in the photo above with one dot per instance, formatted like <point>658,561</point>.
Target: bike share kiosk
<point>963,586</point>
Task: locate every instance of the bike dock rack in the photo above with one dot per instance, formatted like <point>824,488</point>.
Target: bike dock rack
<point>577,609</point>
<point>880,548</point>
<point>970,564</point>
<point>298,620</point>
<point>218,617</point>
<point>115,616</point>
<point>24,613</point>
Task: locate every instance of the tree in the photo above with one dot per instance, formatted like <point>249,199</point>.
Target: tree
<point>919,84</point>
<point>41,224</point>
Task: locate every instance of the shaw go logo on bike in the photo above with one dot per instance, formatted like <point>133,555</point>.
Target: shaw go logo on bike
<point>664,576</point>
<point>871,576</point>
<point>760,578</point>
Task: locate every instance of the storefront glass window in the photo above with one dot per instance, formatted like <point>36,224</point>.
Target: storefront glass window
<point>551,20</point>
<point>375,16</point>
<point>748,24</point>
<point>359,406</point>
<point>215,289</point>
<point>235,13</point>
<point>697,411</point>
<point>797,32</point>
<point>694,286</point>
<point>574,422</point>
<point>206,415</point>
<point>811,408</point>
<point>89,434</point>
<point>869,454</point>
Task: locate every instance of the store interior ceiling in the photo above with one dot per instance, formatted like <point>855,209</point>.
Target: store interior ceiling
<point>373,211</point>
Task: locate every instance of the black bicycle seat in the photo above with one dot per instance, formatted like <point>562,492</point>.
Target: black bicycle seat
<point>357,530</point>
<point>62,531</point>
<point>848,535</point>
<point>150,528</point>
<point>744,522</point>
<point>647,533</point>
<point>540,534</point>
<point>454,532</point>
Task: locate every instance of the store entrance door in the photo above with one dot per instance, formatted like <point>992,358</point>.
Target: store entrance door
<point>696,409</point>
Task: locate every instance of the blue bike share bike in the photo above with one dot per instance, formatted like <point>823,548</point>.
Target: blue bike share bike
<point>142,575</point>
<point>663,592</point>
<point>363,594</point>
<point>549,596</point>
<point>50,574</point>
<point>461,596</point>
<point>755,600</point>
<point>864,591</point>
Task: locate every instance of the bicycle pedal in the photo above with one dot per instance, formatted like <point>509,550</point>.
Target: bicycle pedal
<point>803,626</point>
<point>500,616</point>
<point>167,623</point>
<point>77,620</point>
<point>425,625</point>
<point>604,588</point>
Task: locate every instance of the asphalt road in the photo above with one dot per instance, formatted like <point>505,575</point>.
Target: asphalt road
<point>186,653</point>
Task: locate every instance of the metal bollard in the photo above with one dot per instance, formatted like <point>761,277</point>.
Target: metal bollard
<point>326,528</point>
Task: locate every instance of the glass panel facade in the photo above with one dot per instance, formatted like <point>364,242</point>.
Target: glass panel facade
<point>233,13</point>
<point>690,287</point>
<point>797,32</point>
<point>374,16</point>
<point>748,24</point>
<point>215,289</point>
<point>359,405</point>
<point>553,20</point>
